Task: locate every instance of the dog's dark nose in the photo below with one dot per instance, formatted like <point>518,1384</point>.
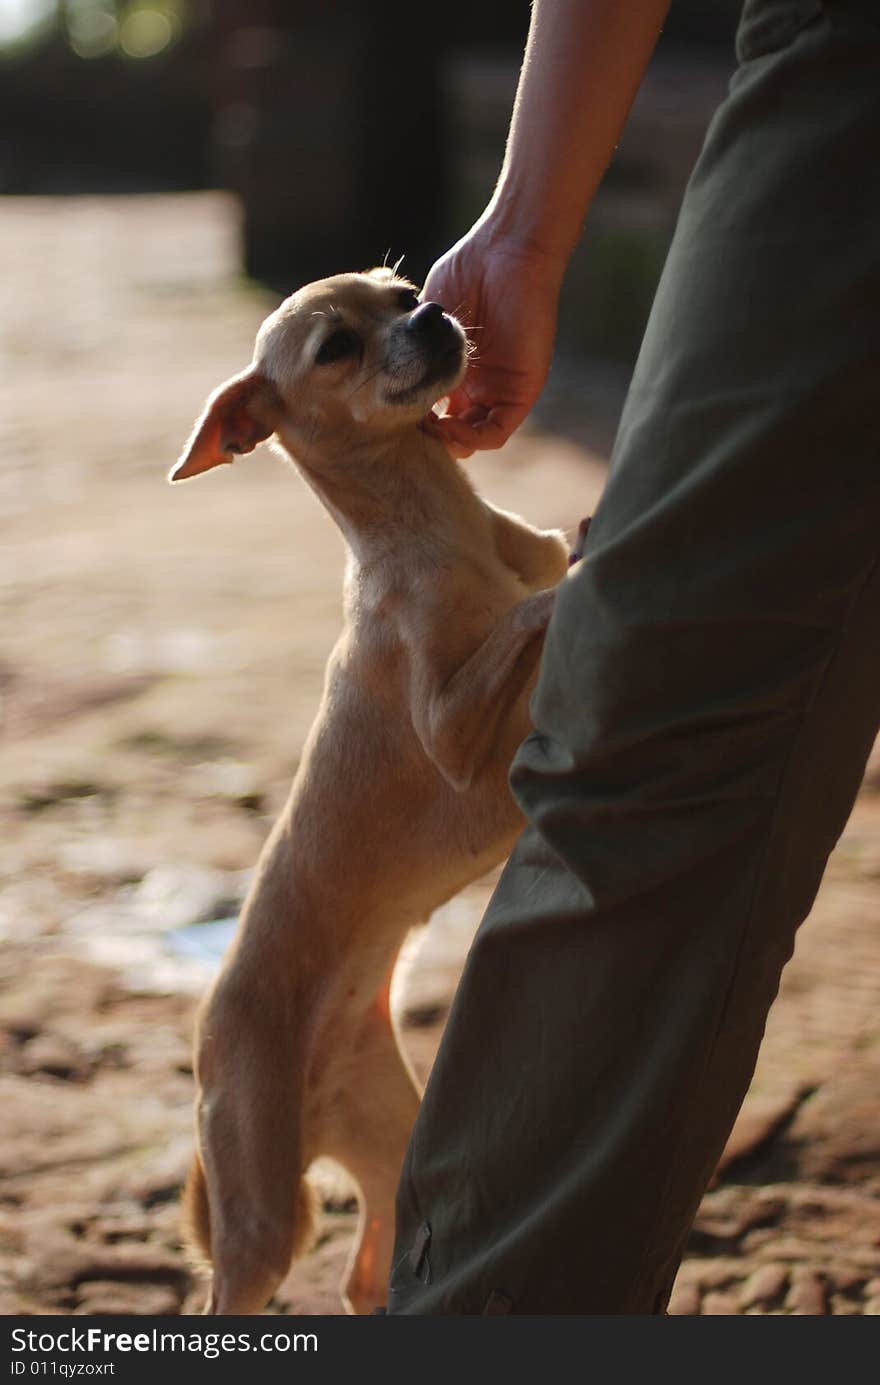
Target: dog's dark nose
<point>428,320</point>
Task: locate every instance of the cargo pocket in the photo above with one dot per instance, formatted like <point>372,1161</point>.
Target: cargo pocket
<point>768,25</point>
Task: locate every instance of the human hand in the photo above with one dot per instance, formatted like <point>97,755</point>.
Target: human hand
<point>506,296</point>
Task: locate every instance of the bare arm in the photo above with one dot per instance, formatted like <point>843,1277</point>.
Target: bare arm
<point>583,64</point>
<point>584,61</point>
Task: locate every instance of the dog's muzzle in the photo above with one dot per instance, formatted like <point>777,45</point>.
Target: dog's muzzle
<point>429,323</point>
<point>425,350</point>
<point>438,336</point>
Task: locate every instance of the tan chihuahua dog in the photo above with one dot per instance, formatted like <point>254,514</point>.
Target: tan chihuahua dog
<point>401,797</point>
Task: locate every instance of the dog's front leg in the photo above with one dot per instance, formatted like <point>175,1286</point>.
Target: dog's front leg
<point>458,717</point>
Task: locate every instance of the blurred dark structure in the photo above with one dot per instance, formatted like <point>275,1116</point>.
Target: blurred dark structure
<point>348,133</point>
<point>102,119</point>
<point>329,124</point>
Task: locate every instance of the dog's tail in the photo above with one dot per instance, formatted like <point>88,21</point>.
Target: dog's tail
<point>196,1217</point>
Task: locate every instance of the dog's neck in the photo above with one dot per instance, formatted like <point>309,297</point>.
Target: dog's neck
<point>406,483</point>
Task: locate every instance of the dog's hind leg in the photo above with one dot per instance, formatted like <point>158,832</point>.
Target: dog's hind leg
<point>256,1205</point>
<point>371,1129</point>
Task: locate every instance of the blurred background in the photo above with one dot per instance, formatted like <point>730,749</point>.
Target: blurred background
<point>168,170</point>
<point>345,133</point>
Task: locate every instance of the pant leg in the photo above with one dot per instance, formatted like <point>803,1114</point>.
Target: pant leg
<point>709,693</point>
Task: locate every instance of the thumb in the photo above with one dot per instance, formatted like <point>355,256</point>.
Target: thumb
<point>458,401</point>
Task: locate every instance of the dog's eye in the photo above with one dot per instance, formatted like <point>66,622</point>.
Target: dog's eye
<point>338,345</point>
<point>407,300</point>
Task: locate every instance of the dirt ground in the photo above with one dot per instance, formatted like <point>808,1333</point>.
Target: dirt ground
<point>161,657</point>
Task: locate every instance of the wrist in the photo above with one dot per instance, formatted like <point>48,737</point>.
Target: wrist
<point>510,226</point>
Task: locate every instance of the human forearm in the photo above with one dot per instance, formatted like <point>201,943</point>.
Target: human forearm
<point>583,63</point>
<point>582,67</point>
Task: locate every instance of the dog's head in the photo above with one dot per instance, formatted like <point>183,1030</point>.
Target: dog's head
<point>352,354</point>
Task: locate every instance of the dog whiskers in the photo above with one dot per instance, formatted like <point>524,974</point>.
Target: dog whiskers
<point>376,372</point>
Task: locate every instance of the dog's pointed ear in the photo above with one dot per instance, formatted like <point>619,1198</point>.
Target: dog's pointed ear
<point>237,416</point>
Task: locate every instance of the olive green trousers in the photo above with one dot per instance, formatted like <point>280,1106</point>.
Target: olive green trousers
<point>709,694</point>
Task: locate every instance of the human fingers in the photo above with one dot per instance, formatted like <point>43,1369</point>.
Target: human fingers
<point>477,431</point>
